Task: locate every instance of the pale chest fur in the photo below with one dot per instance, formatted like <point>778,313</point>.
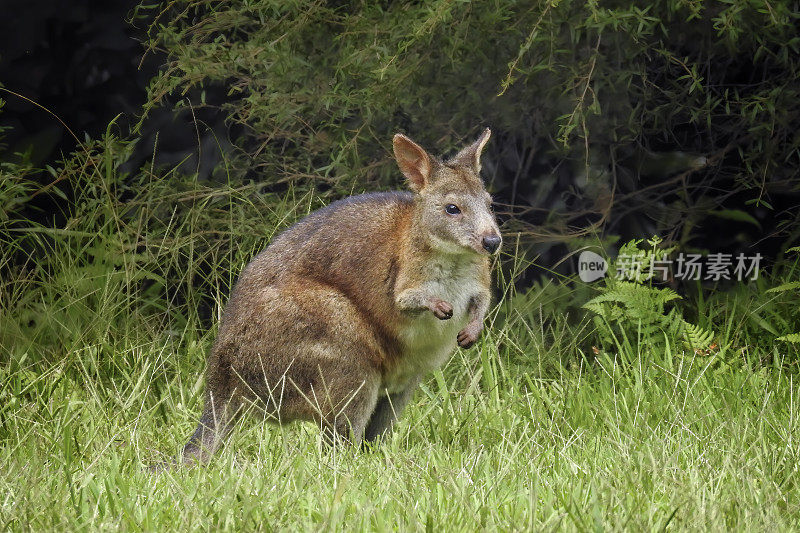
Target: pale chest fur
<point>428,341</point>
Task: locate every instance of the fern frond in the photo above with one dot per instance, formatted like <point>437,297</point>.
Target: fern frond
<point>792,285</point>
<point>696,337</point>
<point>791,337</point>
<point>638,309</point>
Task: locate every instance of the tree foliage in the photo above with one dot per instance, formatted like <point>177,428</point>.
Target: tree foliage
<point>675,118</point>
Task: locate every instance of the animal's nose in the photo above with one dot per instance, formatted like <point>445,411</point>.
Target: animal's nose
<point>491,243</point>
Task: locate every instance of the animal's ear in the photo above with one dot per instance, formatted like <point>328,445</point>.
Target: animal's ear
<point>414,162</point>
<point>471,155</point>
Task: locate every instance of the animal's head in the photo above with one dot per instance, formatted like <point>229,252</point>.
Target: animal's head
<point>454,207</point>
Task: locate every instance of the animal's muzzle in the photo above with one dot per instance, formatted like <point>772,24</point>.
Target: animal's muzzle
<point>491,243</point>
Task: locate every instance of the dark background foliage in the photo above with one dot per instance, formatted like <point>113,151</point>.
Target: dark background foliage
<point>610,120</point>
<point>83,60</point>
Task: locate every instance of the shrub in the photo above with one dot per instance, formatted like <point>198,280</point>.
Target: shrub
<point>671,119</point>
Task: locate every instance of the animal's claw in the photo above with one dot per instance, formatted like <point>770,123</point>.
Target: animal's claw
<point>467,337</point>
<point>442,310</point>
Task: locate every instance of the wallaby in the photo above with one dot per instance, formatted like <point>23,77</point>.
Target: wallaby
<point>339,318</point>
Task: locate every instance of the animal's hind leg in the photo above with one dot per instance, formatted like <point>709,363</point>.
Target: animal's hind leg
<point>388,408</point>
<point>344,402</point>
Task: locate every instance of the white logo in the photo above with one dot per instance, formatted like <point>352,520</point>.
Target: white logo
<point>591,266</point>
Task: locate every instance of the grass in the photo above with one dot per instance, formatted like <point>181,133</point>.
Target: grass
<point>632,441</point>
<point>103,337</point>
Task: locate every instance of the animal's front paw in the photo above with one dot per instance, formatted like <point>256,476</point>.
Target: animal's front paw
<point>441,309</point>
<point>467,336</point>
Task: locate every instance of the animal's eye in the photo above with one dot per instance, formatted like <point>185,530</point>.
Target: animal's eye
<point>452,209</point>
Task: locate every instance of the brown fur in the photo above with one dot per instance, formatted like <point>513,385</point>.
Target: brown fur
<point>341,316</point>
